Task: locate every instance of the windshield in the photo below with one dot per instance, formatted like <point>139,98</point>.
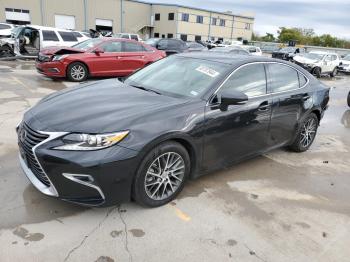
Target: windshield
<point>314,56</point>
<point>179,76</point>
<point>152,41</point>
<point>88,44</point>
<point>347,57</point>
<point>288,49</point>
<point>15,31</point>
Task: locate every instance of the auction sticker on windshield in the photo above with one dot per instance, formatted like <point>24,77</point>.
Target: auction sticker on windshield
<point>208,71</point>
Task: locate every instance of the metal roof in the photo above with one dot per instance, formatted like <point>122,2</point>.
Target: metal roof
<point>191,7</point>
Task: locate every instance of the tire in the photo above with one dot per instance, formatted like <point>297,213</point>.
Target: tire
<point>349,99</point>
<point>317,72</point>
<point>6,52</point>
<point>304,139</point>
<point>161,187</point>
<point>77,72</point>
<point>334,72</point>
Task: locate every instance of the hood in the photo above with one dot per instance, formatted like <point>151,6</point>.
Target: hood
<point>106,106</point>
<point>305,60</point>
<point>345,62</point>
<point>59,50</point>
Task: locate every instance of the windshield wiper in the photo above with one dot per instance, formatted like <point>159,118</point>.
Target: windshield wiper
<point>146,89</point>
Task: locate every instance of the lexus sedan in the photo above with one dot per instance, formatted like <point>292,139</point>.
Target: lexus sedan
<point>96,57</point>
<point>177,119</point>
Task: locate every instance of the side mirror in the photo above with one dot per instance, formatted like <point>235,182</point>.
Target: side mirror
<point>98,51</point>
<point>231,97</point>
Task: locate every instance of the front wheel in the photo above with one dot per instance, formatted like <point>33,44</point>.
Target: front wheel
<point>334,72</point>
<point>349,99</point>
<point>77,72</point>
<point>306,134</point>
<point>161,175</point>
<point>317,72</point>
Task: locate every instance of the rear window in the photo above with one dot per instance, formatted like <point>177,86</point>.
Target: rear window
<point>68,36</point>
<point>49,35</point>
<point>77,34</point>
<point>2,26</point>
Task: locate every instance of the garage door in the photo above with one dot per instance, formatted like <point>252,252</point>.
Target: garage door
<point>104,25</point>
<point>17,16</point>
<point>65,21</point>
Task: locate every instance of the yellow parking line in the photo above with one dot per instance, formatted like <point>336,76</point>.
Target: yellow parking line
<point>19,82</point>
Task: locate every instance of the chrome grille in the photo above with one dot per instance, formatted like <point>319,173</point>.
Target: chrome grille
<point>27,139</point>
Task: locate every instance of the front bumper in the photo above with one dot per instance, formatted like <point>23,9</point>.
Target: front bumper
<point>305,66</point>
<point>344,69</point>
<point>51,69</point>
<point>94,178</point>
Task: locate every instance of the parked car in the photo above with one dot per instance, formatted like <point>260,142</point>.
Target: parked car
<point>287,53</point>
<point>169,45</point>
<point>253,50</point>
<point>231,50</point>
<point>96,57</point>
<point>29,40</point>
<point>5,30</point>
<point>135,37</point>
<point>319,63</point>
<point>344,65</point>
<point>81,36</point>
<point>181,117</point>
<point>195,47</point>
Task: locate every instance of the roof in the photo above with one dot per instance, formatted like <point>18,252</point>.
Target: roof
<point>322,52</point>
<point>191,7</point>
<point>39,27</point>
<point>224,58</point>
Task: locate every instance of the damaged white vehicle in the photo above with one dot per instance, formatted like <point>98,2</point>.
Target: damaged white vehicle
<point>319,63</point>
<point>27,41</point>
<point>345,64</point>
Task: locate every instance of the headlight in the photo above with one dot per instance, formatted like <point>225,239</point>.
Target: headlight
<point>85,142</point>
<point>59,57</point>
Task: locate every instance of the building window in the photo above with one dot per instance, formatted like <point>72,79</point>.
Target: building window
<point>156,35</point>
<point>222,22</point>
<point>163,36</point>
<point>185,17</point>
<point>247,26</point>
<point>170,36</point>
<point>198,38</point>
<point>157,17</point>
<point>183,37</point>
<point>199,19</point>
<point>171,16</point>
<point>213,21</point>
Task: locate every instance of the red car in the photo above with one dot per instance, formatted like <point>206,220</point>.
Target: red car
<point>96,57</point>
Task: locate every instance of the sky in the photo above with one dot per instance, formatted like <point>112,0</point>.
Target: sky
<point>325,17</point>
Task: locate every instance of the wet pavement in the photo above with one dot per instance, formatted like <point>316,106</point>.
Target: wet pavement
<point>281,206</point>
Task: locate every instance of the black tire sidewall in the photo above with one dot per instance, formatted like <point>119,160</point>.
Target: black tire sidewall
<point>139,193</point>
<point>69,69</point>
<point>317,72</point>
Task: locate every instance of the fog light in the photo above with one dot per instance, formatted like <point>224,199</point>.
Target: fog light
<point>53,70</point>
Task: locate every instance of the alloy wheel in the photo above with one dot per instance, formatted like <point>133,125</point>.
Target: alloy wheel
<point>78,72</point>
<point>164,176</point>
<point>308,132</point>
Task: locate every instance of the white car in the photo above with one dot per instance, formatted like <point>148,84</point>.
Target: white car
<point>345,64</point>
<point>253,50</point>
<point>5,30</point>
<point>318,63</point>
<point>135,37</point>
<point>29,40</point>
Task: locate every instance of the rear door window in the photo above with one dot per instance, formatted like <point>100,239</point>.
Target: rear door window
<point>2,26</point>
<point>49,35</point>
<point>250,79</point>
<point>302,80</point>
<point>68,36</point>
<point>283,78</point>
<point>134,37</point>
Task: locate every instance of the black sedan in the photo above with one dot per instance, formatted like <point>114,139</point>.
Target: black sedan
<point>287,53</point>
<point>177,119</point>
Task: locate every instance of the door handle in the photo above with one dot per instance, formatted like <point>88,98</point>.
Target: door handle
<point>264,106</point>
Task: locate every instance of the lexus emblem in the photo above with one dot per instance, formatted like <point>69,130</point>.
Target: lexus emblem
<point>22,135</point>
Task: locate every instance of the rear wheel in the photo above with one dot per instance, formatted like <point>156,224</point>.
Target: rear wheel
<point>77,72</point>
<point>161,175</point>
<point>349,99</point>
<point>305,134</point>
